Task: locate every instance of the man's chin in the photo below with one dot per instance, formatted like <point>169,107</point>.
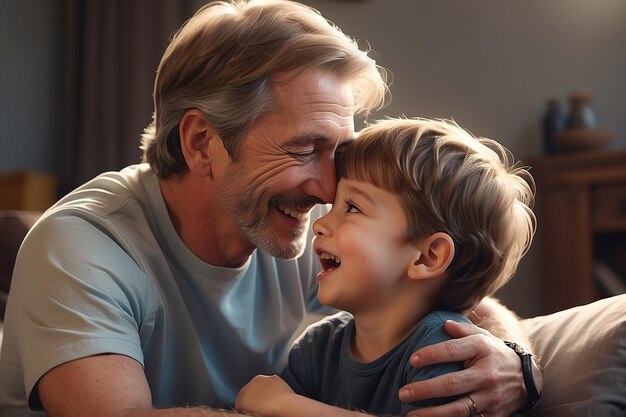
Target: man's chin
<point>286,250</point>
<point>278,239</point>
<point>283,248</point>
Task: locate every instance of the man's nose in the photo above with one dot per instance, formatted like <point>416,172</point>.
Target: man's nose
<point>323,183</point>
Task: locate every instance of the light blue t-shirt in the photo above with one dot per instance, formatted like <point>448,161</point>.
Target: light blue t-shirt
<point>104,271</point>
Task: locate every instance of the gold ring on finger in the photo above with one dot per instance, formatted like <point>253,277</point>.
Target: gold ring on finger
<point>474,408</point>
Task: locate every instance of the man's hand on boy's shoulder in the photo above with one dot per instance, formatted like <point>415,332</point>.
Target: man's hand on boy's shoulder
<point>492,378</point>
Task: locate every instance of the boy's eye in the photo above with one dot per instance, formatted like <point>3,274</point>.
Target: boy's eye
<point>351,208</point>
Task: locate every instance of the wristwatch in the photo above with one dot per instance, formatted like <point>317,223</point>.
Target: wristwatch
<point>533,393</point>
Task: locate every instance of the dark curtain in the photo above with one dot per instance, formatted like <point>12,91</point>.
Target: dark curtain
<point>112,50</point>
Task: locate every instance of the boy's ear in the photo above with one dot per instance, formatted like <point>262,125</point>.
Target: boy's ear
<point>196,136</point>
<point>434,255</point>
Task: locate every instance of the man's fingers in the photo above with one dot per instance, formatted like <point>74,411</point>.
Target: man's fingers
<point>456,329</point>
<point>447,385</point>
<point>454,350</point>
<point>462,407</point>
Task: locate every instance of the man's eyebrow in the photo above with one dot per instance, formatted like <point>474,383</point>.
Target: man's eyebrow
<point>356,190</point>
<point>307,139</point>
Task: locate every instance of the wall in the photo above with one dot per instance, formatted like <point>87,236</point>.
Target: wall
<point>31,93</point>
<point>491,66</point>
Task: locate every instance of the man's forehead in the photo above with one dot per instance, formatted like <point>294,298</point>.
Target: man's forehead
<point>314,85</point>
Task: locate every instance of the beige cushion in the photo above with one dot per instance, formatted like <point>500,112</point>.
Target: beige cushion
<point>583,356</point>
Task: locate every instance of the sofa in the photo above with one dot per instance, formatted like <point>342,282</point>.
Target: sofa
<point>582,350</point>
<point>14,225</point>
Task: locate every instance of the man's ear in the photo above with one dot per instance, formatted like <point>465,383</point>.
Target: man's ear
<point>196,134</point>
<point>433,257</point>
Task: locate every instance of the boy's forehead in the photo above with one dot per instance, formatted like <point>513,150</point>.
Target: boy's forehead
<point>357,187</point>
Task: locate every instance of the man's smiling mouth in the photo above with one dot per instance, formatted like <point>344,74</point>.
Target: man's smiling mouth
<point>294,213</point>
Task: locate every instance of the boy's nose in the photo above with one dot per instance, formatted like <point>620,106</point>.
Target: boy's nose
<point>320,226</point>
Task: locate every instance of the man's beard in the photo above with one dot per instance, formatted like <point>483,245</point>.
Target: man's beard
<point>242,199</point>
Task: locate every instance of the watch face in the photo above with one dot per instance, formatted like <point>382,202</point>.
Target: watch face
<point>517,348</point>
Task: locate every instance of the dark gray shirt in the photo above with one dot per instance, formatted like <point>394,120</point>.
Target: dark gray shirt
<point>321,366</point>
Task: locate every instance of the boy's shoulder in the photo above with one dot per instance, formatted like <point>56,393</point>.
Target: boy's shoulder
<point>430,329</point>
<point>441,316</point>
<point>329,328</point>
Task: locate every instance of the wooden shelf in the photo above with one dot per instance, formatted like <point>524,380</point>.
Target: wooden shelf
<point>27,190</point>
<point>581,214</point>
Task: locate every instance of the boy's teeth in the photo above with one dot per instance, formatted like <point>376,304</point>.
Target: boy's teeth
<point>296,214</point>
<point>329,256</point>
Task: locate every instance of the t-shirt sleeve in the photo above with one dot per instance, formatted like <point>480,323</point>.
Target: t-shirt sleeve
<point>297,374</point>
<point>313,353</point>
<point>77,289</point>
<point>435,334</point>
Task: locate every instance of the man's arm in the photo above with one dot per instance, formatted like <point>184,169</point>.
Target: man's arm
<point>501,322</point>
<point>493,372</point>
<point>105,386</point>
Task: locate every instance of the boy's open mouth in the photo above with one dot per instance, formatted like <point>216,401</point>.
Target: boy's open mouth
<point>329,261</point>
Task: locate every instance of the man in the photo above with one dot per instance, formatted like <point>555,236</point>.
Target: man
<point>170,284</point>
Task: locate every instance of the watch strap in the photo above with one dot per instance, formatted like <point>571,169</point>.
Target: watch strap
<point>533,394</point>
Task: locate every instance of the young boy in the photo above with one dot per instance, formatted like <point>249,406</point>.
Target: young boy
<point>427,221</point>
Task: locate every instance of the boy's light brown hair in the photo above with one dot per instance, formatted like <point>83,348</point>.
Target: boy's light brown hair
<point>450,181</point>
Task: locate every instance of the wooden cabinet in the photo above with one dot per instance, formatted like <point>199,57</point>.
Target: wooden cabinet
<point>27,190</point>
<point>581,214</point>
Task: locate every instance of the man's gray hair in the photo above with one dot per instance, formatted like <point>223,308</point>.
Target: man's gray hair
<point>222,61</point>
